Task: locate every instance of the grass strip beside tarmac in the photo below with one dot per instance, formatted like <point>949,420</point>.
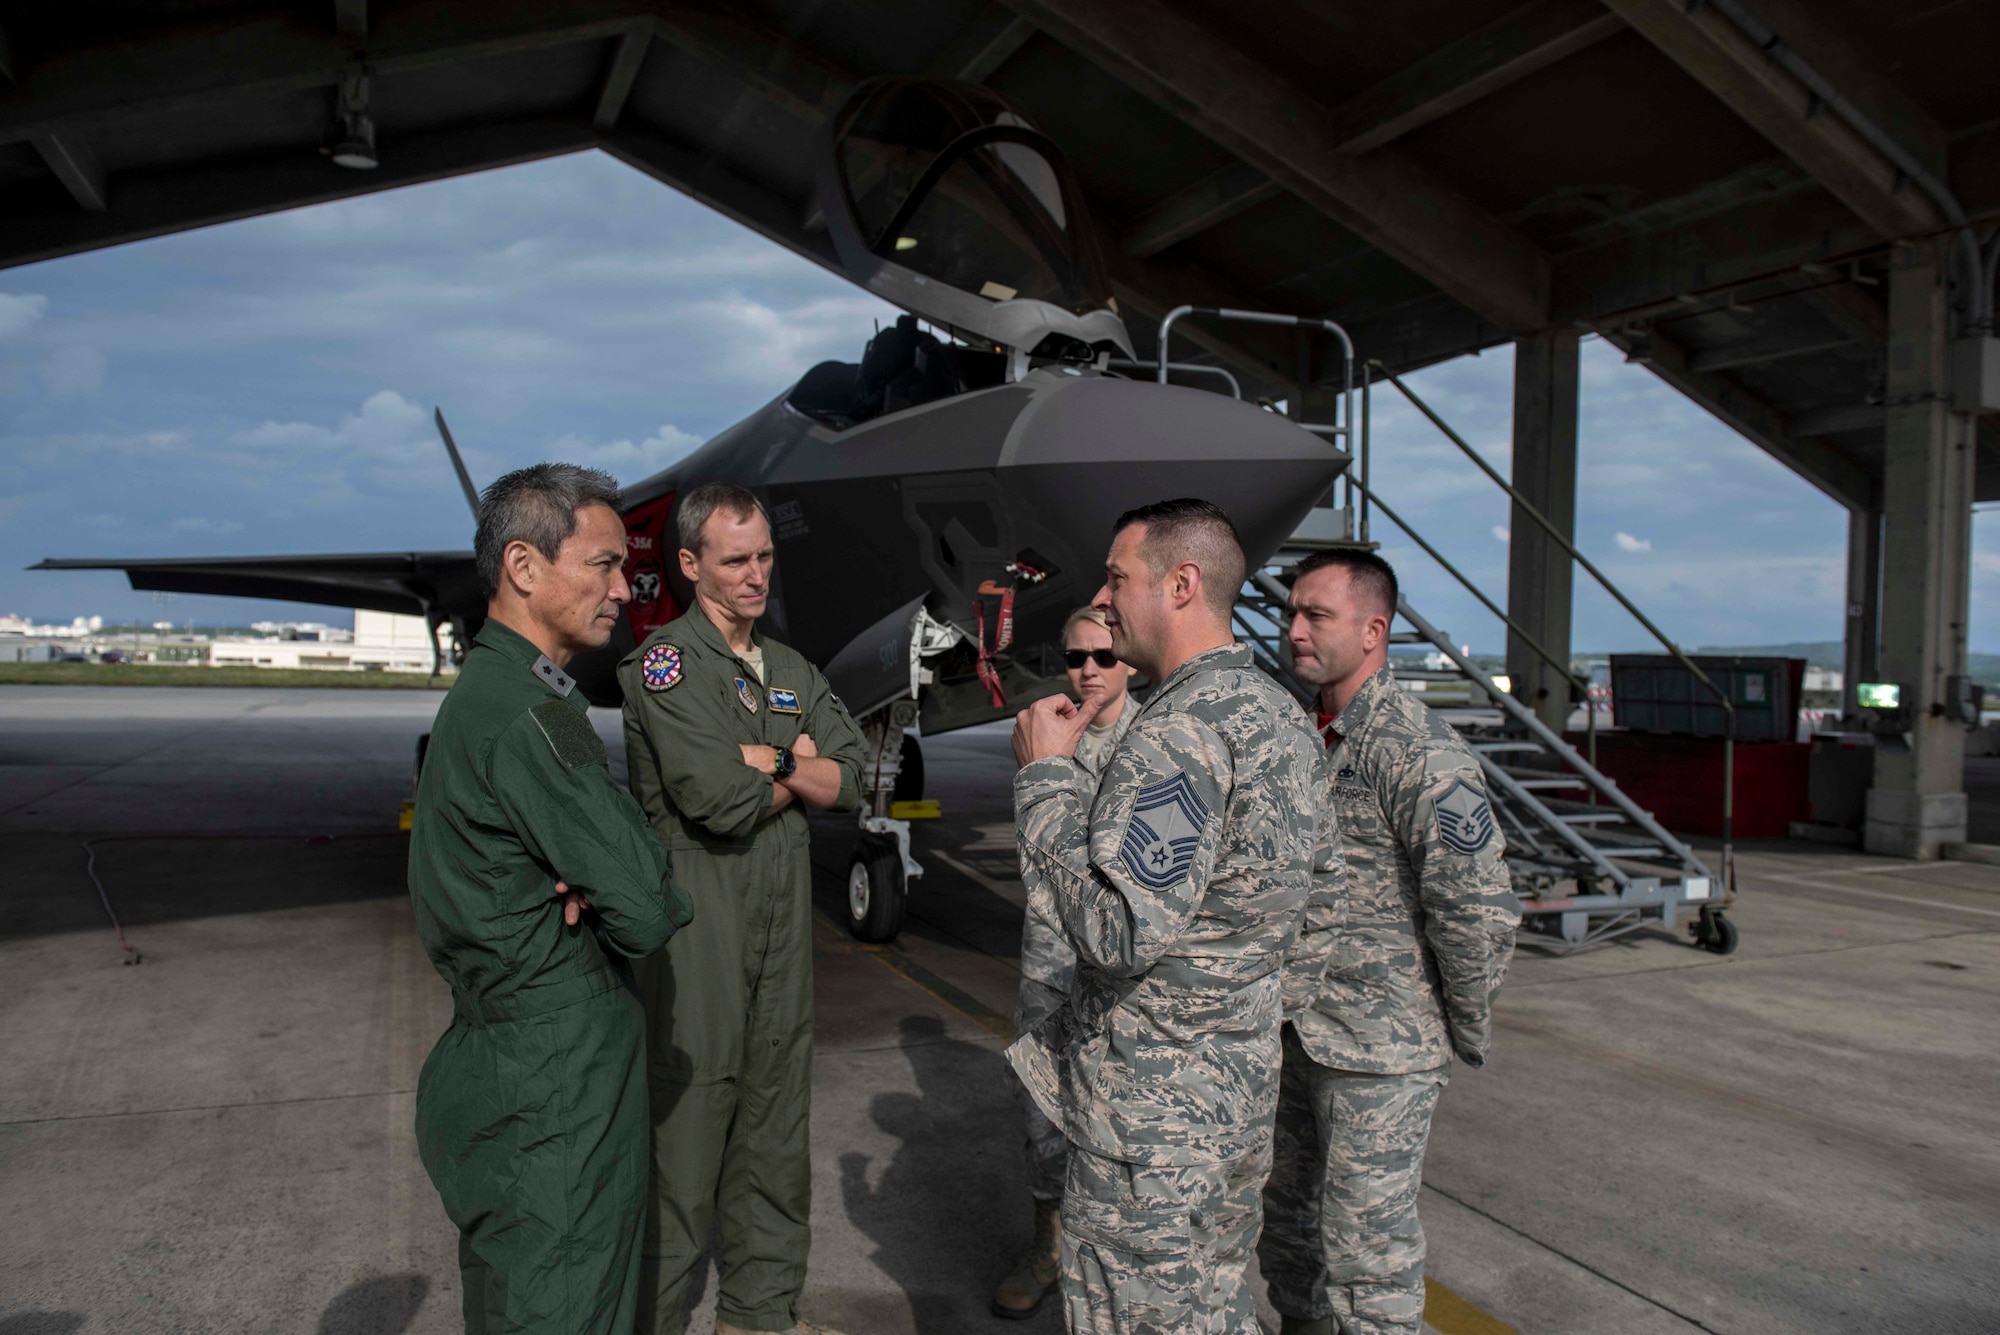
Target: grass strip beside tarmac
<point>141,674</point>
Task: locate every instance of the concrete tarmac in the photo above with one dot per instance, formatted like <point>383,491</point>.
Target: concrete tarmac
<point>1803,1137</point>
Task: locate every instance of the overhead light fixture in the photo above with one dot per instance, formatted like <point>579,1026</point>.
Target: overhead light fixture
<point>906,243</point>
<point>354,146</point>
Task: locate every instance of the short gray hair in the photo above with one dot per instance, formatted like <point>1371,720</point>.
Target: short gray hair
<point>705,500</point>
<point>536,505</point>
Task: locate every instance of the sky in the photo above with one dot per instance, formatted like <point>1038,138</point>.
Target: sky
<point>266,387</point>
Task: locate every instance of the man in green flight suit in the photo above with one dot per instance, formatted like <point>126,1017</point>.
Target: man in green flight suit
<point>535,880</point>
<point>728,735</point>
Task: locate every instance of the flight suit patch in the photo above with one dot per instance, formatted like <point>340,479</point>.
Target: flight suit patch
<point>570,735</point>
<point>1164,832</point>
<point>784,702</point>
<point>1465,819</point>
<point>746,695</point>
<point>661,667</point>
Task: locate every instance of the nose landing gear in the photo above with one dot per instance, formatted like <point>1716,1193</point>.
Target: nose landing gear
<point>877,890</point>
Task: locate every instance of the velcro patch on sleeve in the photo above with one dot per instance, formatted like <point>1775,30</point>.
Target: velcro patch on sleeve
<point>570,735</point>
<point>1465,819</point>
<point>1164,832</point>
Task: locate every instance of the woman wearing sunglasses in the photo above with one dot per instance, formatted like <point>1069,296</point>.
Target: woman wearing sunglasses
<point>1048,965</point>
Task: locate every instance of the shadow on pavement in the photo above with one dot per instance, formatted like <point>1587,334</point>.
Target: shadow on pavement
<point>384,1305</point>
<point>949,1210</point>
<point>158,878</point>
<point>41,1323</point>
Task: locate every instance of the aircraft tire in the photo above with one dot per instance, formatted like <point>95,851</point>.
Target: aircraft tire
<point>909,773</point>
<point>876,893</point>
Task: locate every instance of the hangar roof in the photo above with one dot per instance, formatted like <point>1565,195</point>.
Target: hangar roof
<point>1437,175</point>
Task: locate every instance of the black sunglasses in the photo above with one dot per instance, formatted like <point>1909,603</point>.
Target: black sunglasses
<point>1076,658</point>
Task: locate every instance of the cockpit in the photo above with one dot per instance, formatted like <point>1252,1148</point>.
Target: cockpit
<point>950,182</point>
<point>944,199</point>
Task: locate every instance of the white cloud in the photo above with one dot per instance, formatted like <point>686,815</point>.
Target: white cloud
<point>627,461</point>
<point>74,370</point>
<point>386,428</point>
<point>1986,562</point>
<point>1502,533</point>
<point>19,314</point>
<point>1628,543</point>
<point>203,524</point>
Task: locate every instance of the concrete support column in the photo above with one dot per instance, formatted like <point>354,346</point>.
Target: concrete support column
<point>1540,573</point>
<point>1859,662</point>
<point>1918,800</point>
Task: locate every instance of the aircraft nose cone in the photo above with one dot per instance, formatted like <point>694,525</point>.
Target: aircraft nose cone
<point>1090,449</point>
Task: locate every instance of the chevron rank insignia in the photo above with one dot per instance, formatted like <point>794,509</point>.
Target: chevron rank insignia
<point>661,667</point>
<point>1164,832</point>
<point>1465,819</point>
<point>746,695</point>
<point>784,702</point>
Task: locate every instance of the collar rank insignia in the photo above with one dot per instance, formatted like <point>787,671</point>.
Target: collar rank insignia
<point>746,695</point>
<point>783,701</point>
<point>661,667</point>
<point>559,680</point>
<point>1164,832</point>
<point>1465,819</point>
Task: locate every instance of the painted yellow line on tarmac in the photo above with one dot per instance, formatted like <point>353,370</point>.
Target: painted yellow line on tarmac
<point>1449,1314</point>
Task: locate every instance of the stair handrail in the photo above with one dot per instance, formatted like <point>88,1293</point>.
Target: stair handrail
<point>1528,507</point>
<point>1552,739</point>
<point>1343,429</point>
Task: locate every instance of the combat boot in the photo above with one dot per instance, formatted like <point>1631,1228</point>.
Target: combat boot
<point>1018,1295</point>
<point>1306,1325</point>
<point>802,1328</point>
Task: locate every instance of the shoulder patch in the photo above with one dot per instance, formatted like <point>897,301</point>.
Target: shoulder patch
<point>1164,831</point>
<point>1465,818</point>
<point>570,735</point>
<point>660,667</point>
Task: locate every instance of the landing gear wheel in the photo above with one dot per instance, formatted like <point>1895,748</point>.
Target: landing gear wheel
<point>909,773</point>
<point>1713,932</point>
<point>876,892</point>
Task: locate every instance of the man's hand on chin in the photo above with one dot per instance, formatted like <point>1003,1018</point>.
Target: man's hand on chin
<point>1051,727</point>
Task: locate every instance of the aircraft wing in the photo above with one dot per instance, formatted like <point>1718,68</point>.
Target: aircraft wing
<point>413,583</point>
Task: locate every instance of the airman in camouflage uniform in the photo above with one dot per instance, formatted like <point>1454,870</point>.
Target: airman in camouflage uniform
<point>1377,1010</point>
<point>1048,965</point>
<point>1180,889</point>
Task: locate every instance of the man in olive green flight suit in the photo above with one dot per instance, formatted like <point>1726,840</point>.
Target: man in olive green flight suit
<point>728,735</point>
<point>535,880</point>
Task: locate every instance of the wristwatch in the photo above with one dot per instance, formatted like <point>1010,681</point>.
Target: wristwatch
<point>784,763</point>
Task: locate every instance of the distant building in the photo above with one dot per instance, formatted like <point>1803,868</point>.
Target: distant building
<point>379,642</point>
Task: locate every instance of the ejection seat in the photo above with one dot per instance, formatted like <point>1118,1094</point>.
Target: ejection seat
<point>903,366</point>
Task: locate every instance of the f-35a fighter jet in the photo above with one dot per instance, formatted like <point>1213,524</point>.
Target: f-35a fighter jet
<point>940,505</point>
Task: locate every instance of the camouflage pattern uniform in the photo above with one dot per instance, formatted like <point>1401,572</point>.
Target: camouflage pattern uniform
<point>1376,1009</point>
<point>1048,968</point>
<point>1180,889</point>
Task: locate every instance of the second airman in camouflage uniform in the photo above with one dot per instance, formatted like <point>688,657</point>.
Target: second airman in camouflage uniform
<point>1180,890</point>
<point>1405,982</point>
